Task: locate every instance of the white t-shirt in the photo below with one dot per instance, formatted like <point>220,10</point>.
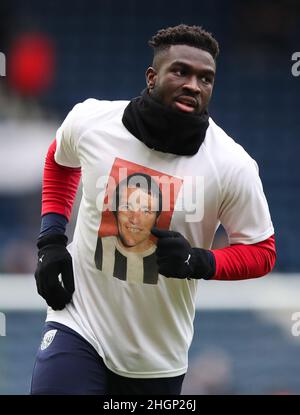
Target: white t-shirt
<point>144,330</point>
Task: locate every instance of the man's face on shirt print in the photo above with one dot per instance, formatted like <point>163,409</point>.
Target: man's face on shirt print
<point>136,215</point>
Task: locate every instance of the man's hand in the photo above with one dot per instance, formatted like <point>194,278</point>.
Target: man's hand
<point>54,259</point>
<point>177,259</point>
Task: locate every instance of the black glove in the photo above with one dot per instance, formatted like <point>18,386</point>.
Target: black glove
<point>177,259</point>
<point>54,259</point>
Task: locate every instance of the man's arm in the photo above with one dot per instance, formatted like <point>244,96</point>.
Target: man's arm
<point>239,262</point>
<point>60,185</point>
<point>176,258</point>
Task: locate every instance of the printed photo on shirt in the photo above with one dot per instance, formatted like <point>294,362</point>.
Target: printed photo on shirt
<point>136,200</point>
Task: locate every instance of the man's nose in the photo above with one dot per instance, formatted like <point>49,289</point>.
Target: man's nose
<point>192,84</point>
<point>134,216</point>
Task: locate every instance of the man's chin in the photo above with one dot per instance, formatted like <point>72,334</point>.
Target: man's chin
<point>135,246</point>
<point>127,244</point>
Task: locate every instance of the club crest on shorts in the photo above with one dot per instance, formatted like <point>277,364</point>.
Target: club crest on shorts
<point>48,339</point>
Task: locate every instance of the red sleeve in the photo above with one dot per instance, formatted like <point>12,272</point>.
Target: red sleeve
<point>60,185</point>
<point>240,262</point>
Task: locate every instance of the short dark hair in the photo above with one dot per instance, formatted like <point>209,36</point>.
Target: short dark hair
<point>183,34</point>
<point>141,181</point>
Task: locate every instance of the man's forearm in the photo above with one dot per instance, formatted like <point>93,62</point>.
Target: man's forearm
<point>239,262</point>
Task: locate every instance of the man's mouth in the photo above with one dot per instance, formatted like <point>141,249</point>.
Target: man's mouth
<point>133,229</point>
<point>186,103</point>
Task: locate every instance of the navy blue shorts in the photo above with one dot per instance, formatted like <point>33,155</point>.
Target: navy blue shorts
<point>66,364</point>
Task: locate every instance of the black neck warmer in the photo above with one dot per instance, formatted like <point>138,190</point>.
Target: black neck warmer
<point>165,129</point>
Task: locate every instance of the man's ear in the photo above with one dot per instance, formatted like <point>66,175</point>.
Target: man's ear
<point>151,76</point>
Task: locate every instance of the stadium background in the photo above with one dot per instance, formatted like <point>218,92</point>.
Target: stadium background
<point>59,53</point>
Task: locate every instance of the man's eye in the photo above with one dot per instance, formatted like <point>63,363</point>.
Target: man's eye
<point>206,80</point>
<point>179,72</point>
